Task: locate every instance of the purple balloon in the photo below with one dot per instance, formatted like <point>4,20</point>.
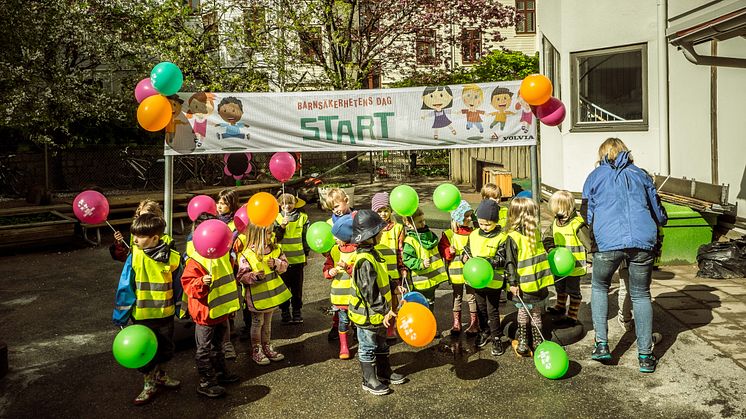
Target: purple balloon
<point>551,113</point>
<point>200,204</point>
<point>282,166</point>
<point>144,89</point>
<point>212,239</point>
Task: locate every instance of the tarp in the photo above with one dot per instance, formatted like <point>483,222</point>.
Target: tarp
<point>455,116</point>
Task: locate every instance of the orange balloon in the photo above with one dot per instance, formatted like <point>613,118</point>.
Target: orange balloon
<point>154,113</point>
<point>536,89</point>
<point>262,209</point>
<point>416,324</point>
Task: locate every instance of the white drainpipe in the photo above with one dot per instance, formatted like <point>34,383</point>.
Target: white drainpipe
<point>664,142</point>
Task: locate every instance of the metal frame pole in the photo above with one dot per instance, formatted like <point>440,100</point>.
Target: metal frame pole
<point>168,193</point>
<point>535,190</point>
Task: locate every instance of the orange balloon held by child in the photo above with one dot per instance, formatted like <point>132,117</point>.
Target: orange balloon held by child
<point>262,209</point>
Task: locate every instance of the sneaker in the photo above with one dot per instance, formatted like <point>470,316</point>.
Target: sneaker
<point>627,326</point>
<point>285,317</point>
<point>647,363</point>
<point>227,377</point>
<point>297,319</point>
<point>601,352</point>
<point>163,380</point>
<point>270,353</point>
<point>209,389</point>
<point>497,347</point>
<point>229,350</point>
<point>258,356</point>
<point>482,339</point>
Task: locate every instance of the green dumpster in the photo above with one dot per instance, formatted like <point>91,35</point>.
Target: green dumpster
<point>685,232</point>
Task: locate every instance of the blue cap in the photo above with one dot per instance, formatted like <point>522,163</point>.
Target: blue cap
<point>458,214</point>
<point>342,228</point>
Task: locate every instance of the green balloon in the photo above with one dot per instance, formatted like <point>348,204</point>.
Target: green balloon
<point>404,200</point>
<point>446,197</point>
<point>319,237</point>
<point>134,346</point>
<point>561,261</point>
<point>551,360</point>
<point>478,272</point>
<point>166,78</point>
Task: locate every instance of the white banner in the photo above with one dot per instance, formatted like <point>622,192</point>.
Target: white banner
<point>457,116</point>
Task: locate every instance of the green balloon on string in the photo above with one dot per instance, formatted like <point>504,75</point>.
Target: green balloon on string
<point>319,237</point>
<point>478,272</point>
<point>404,200</point>
<point>134,346</point>
<point>446,197</point>
<point>561,261</point>
<point>551,360</point>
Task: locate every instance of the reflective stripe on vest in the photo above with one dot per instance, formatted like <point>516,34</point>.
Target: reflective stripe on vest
<point>223,297</point>
<point>153,285</point>
<point>533,266</point>
<point>456,267</point>
<point>341,284</point>
<point>486,247</point>
<point>270,292</point>
<point>292,242</point>
<point>359,310</point>
<point>434,274</point>
<point>567,236</point>
<point>502,220</point>
<point>389,245</point>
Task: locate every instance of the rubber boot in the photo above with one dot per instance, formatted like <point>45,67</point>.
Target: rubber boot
<point>333,332</point>
<point>148,390</point>
<point>163,380</point>
<point>456,328</point>
<point>473,328</point>
<point>522,349</point>
<point>391,332</point>
<point>536,340</point>
<point>385,374</point>
<point>344,351</point>
<point>371,384</point>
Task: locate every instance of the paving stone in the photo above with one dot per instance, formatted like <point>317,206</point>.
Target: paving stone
<point>723,331</point>
<point>729,307</point>
<point>666,292</point>
<point>676,283</point>
<point>675,302</point>
<point>731,347</point>
<point>733,289</point>
<point>697,316</point>
<point>714,295</point>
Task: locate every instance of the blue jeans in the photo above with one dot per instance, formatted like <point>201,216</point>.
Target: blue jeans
<point>640,272</point>
<point>344,321</point>
<point>371,342</point>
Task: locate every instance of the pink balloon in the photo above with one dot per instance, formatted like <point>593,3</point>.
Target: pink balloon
<point>212,239</point>
<point>144,89</point>
<point>200,204</point>
<point>241,219</point>
<point>282,166</point>
<point>551,113</point>
<point>91,207</point>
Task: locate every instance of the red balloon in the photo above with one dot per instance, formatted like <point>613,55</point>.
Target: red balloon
<point>212,239</point>
<point>241,219</point>
<point>282,166</point>
<point>200,204</point>
<point>91,207</point>
<point>551,113</point>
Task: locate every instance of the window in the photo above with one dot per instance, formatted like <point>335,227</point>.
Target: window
<point>254,21</point>
<point>471,45</point>
<point>425,47</point>
<point>310,44</point>
<point>551,66</point>
<point>526,11</point>
<point>210,27</point>
<point>373,81</point>
<point>193,5</point>
<point>609,89</point>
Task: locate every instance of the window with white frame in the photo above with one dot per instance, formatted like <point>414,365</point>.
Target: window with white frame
<point>551,67</point>
<point>609,89</point>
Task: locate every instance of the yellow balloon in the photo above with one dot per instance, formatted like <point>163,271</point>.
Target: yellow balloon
<point>154,113</point>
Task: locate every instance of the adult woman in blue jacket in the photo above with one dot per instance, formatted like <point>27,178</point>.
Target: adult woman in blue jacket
<point>624,212</point>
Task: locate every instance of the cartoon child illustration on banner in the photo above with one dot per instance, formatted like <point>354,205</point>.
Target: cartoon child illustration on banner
<point>438,99</point>
<point>473,97</point>
<point>501,100</point>
<point>230,110</point>
<point>176,103</point>
<point>201,105</point>
<point>527,116</point>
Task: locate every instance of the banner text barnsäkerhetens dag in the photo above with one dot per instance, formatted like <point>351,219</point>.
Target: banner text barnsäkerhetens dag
<point>457,116</point>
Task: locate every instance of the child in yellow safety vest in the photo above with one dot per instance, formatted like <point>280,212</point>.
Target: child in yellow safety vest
<point>291,226</point>
<point>338,268</point>
<point>154,265</point>
<point>568,230</point>
<point>451,247</point>
<point>391,247</point>
<point>485,242</point>
<point>370,306</point>
<point>493,192</point>
<point>118,250</point>
<point>260,265</point>
<point>527,270</point>
<point>421,256</point>
<point>339,203</point>
<point>227,206</point>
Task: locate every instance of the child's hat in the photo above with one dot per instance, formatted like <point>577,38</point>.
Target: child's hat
<point>488,210</point>
<point>458,214</point>
<point>380,200</point>
<point>366,224</point>
<point>342,228</point>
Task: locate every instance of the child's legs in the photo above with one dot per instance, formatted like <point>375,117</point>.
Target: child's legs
<point>257,323</point>
<point>164,333</point>
<point>492,297</point>
<point>471,299</point>
<point>572,286</point>
<point>293,279</point>
<point>561,288</point>
<point>366,344</point>
<point>456,298</point>
<point>344,321</point>
<point>267,325</point>
<point>203,336</point>
<point>479,126</point>
<point>430,296</point>
<point>226,338</point>
<point>482,312</point>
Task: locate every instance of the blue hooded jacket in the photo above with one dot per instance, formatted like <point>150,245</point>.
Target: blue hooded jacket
<point>623,206</point>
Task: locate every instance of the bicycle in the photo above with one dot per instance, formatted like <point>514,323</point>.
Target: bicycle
<point>139,171</point>
<point>205,169</point>
<point>11,178</point>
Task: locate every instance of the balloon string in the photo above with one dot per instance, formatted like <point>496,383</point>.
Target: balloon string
<point>529,315</point>
<point>112,229</point>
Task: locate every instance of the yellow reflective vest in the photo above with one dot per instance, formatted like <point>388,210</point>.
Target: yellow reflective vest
<point>271,291</point>
<point>503,217</point>
<point>389,249</point>
<point>431,276</point>
<point>456,267</point>
<point>223,297</point>
<point>359,310</point>
<point>486,247</point>
<point>532,265</point>
<point>567,236</point>
<point>341,284</point>
<point>153,285</point>
<point>292,242</point>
